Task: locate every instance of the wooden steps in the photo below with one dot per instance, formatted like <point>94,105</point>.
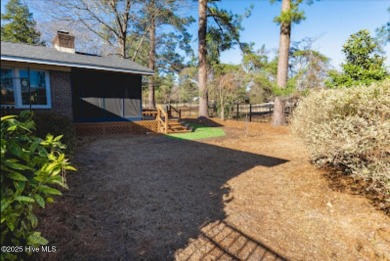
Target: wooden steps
<point>177,126</point>
<point>167,123</point>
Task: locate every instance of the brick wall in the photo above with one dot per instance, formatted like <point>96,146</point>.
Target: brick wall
<point>61,93</point>
<point>61,96</point>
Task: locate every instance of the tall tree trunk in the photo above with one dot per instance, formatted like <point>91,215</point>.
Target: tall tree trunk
<point>284,47</point>
<point>202,53</point>
<point>278,117</point>
<point>152,55</point>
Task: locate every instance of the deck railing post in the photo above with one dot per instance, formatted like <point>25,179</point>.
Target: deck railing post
<point>166,124</point>
<point>250,112</point>
<point>158,119</point>
<point>237,111</point>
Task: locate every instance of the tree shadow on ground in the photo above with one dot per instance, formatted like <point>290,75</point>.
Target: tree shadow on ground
<point>222,241</point>
<point>146,197</point>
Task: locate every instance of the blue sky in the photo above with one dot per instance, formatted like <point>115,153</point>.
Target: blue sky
<point>331,22</point>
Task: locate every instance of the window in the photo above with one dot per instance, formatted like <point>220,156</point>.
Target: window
<point>37,92</point>
<point>7,87</point>
<point>22,88</point>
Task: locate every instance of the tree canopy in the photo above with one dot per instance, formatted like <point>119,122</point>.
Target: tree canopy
<point>18,24</point>
<point>383,32</point>
<point>364,63</point>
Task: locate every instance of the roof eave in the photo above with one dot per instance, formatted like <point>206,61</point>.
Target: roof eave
<point>74,65</point>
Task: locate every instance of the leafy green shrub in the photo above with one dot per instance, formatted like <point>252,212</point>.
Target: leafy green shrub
<point>30,167</point>
<point>363,65</point>
<point>349,128</point>
<point>55,124</point>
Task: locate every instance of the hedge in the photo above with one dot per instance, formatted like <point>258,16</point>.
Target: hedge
<point>349,129</point>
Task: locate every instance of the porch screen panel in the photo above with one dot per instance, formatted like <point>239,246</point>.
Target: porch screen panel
<point>91,107</point>
<point>132,97</point>
<point>91,99</point>
<point>113,99</point>
<point>132,108</point>
<point>105,96</point>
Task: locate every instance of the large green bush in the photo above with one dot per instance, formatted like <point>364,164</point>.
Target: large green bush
<point>31,168</point>
<point>363,65</point>
<point>349,128</point>
<point>55,124</point>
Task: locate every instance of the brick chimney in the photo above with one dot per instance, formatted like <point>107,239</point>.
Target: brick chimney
<point>64,42</point>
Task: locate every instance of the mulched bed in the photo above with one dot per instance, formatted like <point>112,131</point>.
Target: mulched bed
<point>343,183</point>
<point>250,195</point>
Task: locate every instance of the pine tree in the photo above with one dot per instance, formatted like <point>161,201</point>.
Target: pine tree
<point>290,14</point>
<point>202,56</point>
<point>218,31</point>
<point>19,25</point>
<point>161,13</point>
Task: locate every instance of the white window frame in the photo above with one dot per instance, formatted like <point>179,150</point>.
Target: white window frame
<point>18,89</point>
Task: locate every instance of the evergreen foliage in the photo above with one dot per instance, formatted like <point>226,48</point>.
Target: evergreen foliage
<point>188,86</point>
<point>56,125</point>
<point>19,25</point>
<point>166,15</point>
<point>31,169</point>
<point>383,32</point>
<point>294,15</point>
<point>223,31</point>
<point>363,65</point>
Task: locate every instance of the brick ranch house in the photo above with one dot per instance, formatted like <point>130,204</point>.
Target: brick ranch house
<point>89,89</point>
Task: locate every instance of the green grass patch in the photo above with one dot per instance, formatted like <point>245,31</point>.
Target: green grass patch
<point>199,132</point>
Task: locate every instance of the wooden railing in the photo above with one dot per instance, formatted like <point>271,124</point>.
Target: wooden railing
<point>149,114</point>
<point>162,119</point>
<point>173,109</point>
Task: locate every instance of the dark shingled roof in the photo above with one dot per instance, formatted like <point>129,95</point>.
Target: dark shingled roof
<point>43,55</point>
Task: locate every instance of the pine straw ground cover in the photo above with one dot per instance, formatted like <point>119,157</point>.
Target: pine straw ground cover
<point>250,195</point>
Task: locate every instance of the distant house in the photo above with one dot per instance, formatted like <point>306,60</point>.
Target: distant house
<point>83,87</point>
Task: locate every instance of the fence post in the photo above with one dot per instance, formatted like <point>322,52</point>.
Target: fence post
<point>250,112</point>
<point>237,111</point>
<point>158,119</point>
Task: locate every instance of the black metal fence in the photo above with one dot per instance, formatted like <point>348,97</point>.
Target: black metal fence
<point>253,112</point>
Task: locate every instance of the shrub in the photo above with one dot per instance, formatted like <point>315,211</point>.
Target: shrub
<point>55,124</point>
<point>30,167</point>
<point>349,129</point>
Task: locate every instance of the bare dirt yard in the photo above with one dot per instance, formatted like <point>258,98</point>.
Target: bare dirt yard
<point>250,195</point>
